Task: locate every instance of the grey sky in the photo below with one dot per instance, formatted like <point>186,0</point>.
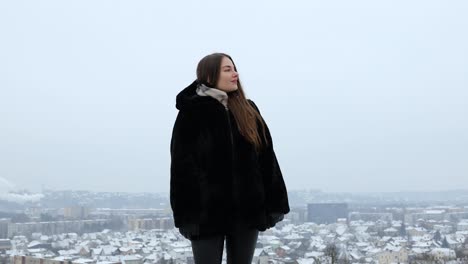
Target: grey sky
<point>359,95</point>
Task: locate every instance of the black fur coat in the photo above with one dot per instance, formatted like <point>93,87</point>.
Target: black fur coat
<point>217,178</point>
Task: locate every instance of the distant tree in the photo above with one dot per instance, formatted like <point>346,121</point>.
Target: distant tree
<point>380,233</point>
<point>425,258</point>
<point>445,244</point>
<point>344,260</point>
<point>437,236</point>
<point>162,261</point>
<point>316,260</point>
<point>331,251</point>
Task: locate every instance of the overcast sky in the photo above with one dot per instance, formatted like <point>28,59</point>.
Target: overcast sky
<point>360,96</point>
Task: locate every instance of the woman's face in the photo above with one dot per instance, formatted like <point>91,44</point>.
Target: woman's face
<point>228,76</point>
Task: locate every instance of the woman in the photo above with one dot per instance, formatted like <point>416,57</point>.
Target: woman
<point>225,178</point>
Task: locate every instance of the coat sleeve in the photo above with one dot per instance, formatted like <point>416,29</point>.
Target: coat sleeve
<point>275,189</point>
<point>184,192</point>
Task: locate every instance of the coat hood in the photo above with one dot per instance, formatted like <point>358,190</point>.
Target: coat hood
<point>188,98</point>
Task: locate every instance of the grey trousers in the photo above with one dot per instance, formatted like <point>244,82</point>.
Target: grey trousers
<point>240,247</point>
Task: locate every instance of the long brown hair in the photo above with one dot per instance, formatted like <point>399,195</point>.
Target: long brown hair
<point>247,118</point>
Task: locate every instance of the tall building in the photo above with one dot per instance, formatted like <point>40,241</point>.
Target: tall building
<point>354,216</point>
<point>79,212</point>
<point>5,244</point>
<point>326,213</point>
<point>4,227</point>
<point>150,223</point>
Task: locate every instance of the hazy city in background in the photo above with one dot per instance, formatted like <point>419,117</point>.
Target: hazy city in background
<point>360,96</point>
<point>366,102</point>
